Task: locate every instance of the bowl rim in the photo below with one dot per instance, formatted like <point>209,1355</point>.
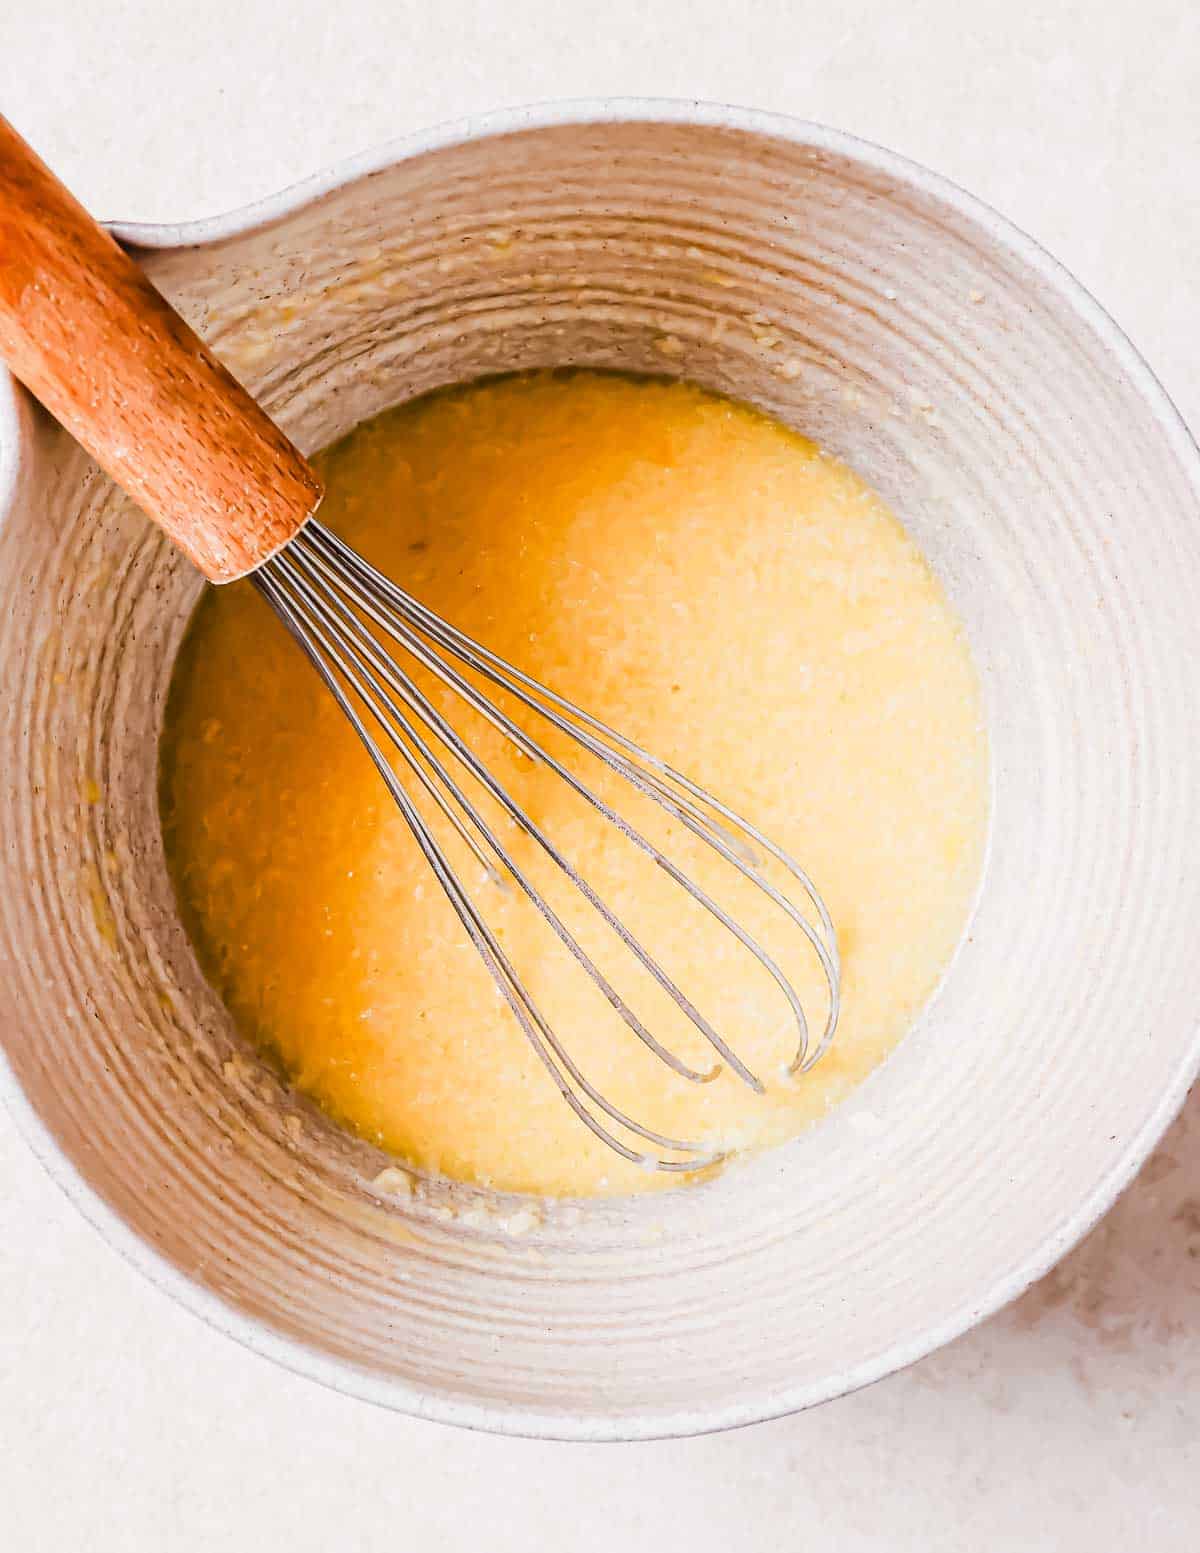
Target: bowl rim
<point>342,1375</point>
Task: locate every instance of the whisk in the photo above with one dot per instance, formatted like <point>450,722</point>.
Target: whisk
<point>83,328</point>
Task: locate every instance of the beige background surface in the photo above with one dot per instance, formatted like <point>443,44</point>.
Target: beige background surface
<point>1072,1420</point>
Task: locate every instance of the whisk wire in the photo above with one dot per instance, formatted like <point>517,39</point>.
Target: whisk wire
<point>391,718</point>
<point>537,1031</point>
<point>534,751</point>
<point>402,632</point>
<point>325,594</point>
<point>644,771</point>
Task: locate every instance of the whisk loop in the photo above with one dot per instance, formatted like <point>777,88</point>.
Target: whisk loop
<point>330,599</point>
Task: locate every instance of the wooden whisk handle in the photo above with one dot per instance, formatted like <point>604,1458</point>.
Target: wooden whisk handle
<point>87,333</point>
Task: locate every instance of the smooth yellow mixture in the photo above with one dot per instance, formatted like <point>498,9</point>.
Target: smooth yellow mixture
<point>701,578</point>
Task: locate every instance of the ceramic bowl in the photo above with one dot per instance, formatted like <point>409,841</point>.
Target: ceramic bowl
<point>1049,481</point>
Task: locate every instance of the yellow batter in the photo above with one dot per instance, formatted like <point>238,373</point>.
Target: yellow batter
<point>696,575</point>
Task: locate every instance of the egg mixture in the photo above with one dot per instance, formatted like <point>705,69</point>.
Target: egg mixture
<point>703,579</point>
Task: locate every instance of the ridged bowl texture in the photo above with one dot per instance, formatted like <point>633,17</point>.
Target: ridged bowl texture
<point>1056,494</point>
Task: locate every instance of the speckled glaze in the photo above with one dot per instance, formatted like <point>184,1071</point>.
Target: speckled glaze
<point>1054,490</point>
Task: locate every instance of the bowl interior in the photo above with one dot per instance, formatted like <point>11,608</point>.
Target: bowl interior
<point>1044,476</point>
